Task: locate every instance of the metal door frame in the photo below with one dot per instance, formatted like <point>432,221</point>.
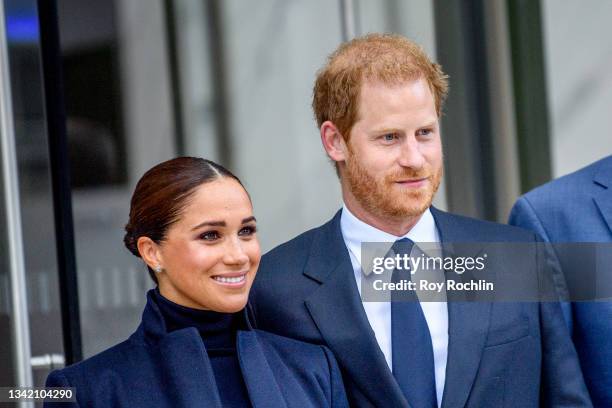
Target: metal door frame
<point>20,317</point>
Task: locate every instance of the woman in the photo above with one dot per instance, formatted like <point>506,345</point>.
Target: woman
<point>192,223</point>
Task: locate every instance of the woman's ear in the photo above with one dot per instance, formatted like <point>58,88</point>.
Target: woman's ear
<point>150,253</point>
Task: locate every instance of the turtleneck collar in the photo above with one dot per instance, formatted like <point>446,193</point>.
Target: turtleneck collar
<point>218,330</point>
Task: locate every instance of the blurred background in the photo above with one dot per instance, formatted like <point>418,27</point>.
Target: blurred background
<point>95,92</point>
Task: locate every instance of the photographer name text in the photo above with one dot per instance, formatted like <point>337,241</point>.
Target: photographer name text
<point>424,285</point>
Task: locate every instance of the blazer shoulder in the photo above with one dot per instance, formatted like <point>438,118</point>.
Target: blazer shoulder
<point>482,230</point>
<point>577,182</point>
<point>504,232</point>
<point>293,253</point>
<point>111,359</point>
<point>299,243</point>
<point>547,205</point>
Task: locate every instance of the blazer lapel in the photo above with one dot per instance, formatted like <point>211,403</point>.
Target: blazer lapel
<point>468,323</point>
<point>603,197</point>
<point>338,313</point>
<point>187,372</point>
<point>258,377</point>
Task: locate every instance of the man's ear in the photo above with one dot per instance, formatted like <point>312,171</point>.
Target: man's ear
<point>150,252</point>
<point>333,142</point>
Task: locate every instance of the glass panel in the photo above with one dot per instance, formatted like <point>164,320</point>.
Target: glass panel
<point>36,199</point>
<point>110,145</point>
<point>7,369</point>
<point>413,19</point>
<point>579,81</point>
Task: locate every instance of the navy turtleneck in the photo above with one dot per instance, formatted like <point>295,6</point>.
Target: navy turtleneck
<point>218,332</point>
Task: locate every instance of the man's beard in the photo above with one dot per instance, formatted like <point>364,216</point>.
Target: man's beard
<point>383,197</point>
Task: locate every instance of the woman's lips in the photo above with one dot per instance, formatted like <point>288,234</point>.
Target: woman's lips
<point>231,279</point>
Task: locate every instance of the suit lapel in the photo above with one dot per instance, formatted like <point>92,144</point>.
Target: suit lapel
<point>338,313</point>
<point>603,197</point>
<point>468,323</point>
<point>258,377</point>
<point>467,326</point>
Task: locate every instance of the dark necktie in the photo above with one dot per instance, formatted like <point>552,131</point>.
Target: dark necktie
<point>412,352</point>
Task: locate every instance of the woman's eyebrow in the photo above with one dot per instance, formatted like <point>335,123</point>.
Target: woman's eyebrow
<point>220,223</point>
<point>209,224</point>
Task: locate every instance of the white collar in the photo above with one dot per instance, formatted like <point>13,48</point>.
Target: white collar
<point>355,231</point>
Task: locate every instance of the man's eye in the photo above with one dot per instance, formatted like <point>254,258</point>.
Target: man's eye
<point>210,236</point>
<point>246,231</point>
<point>389,137</point>
<point>424,132</point>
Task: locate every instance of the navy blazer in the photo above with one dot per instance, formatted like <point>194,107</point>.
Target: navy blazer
<point>578,208</point>
<point>499,354</point>
<point>154,368</point>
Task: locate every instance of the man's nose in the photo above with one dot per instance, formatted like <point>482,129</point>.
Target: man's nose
<point>410,154</point>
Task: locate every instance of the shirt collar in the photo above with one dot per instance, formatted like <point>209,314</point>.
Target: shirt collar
<point>355,231</point>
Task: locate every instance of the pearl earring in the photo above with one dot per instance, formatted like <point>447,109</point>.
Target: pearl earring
<point>158,269</point>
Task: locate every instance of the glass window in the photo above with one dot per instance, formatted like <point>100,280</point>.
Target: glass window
<point>34,197</point>
<point>579,81</point>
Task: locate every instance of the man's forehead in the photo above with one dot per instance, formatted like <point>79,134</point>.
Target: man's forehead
<point>414,95</point>
<point>394,85</point>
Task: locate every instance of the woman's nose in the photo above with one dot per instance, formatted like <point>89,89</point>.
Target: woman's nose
<point>235,254</point>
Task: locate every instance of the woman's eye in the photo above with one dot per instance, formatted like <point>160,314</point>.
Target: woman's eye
<point>246,231</point>
<point>210,236</point>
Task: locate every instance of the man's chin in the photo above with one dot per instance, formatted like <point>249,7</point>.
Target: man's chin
<point>412,204</point>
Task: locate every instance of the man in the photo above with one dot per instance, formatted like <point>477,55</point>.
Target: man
<point>578,208</point>
<point>377,103</point>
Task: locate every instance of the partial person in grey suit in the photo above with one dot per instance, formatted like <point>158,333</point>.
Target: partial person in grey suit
<point>578,208</point>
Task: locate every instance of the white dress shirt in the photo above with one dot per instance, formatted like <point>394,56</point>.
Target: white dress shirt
<point>354,232</point>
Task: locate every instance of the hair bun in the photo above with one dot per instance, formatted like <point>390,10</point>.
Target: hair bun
<point>130,242</point>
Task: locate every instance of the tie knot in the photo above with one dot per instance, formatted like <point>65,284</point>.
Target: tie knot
<point>402,246</point>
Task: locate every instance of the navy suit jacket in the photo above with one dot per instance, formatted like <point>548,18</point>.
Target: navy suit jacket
<point>154,368</point>
<point>578,208</point>
<point>499,354</point>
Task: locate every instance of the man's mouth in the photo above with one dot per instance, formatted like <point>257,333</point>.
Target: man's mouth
<point>414,183</point>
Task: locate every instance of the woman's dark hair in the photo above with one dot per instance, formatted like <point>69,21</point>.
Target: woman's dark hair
<point>161,195</point>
